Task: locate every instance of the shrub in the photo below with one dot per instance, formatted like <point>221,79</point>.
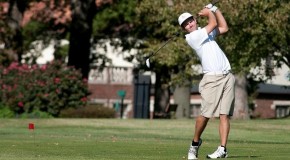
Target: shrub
<point>5,112</point>
<point>48,88</point>
<point>35,114</point>
<point>90,111</point>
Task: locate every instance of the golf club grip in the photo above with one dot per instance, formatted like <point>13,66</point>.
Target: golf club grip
<point>213,2</point>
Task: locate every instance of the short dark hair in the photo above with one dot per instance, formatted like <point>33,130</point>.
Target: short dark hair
<point>190,18</point>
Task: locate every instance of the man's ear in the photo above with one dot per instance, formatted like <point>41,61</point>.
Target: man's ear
<point>183,29</point>
<point>195,20</point>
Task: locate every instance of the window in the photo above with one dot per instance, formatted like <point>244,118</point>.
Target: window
<point>115,75</point>
<point>282,111</point>
<point>98,77</point>
<point>194,110</point>
<point>120,75</point>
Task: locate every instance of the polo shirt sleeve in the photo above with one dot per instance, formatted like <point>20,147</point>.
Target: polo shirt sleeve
<point>213,33</point>
<point>196,38</point>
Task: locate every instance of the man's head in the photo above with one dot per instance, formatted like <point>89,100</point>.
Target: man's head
<point>187,22</point>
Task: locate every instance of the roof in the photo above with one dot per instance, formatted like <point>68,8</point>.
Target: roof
<point>262,88</point>
<point>194,89</point>
<point>273,89</point>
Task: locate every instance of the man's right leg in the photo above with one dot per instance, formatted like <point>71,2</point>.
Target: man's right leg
<point>200,125</point>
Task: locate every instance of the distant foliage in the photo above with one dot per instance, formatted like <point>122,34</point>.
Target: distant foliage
<point>5,112</point>
<point>90,111</point>
<point>34,114</point>
<point>49,88</point>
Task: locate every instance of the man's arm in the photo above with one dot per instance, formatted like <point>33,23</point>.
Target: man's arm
<point>222,25</point>
<point>212,21</point>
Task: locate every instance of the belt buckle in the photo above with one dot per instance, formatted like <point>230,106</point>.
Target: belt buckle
<point>225,72</point>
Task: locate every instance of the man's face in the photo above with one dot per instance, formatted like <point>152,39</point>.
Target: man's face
<point>189,25</point>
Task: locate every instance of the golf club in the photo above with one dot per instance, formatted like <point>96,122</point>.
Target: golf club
<point>213,2</point>
<point>148,57</point>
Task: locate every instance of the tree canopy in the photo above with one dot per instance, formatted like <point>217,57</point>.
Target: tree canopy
<point>258,30</point>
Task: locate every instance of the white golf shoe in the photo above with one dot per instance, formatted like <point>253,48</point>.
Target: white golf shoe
<point>193,151</point>
<point>219,153</point>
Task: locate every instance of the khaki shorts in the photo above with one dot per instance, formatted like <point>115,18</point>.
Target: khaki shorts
<point>218,95</point>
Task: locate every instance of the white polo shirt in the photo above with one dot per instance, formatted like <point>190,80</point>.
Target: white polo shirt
<point>211,56</point>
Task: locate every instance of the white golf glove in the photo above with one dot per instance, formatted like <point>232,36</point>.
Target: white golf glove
<point>211,7</point>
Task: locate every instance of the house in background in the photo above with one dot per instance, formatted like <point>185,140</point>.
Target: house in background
<point>117,77</point>
<point>273,101</point>
<point>105,86</point>
<point>273,97</point>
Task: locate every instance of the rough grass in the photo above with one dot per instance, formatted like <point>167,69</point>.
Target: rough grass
<point>115,139</point>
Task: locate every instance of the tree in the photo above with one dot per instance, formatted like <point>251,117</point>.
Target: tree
<point>258,31</point>
<point>12,25</point>
<point>111,24</point>
<point>28,21</point>
<point>81,32</point>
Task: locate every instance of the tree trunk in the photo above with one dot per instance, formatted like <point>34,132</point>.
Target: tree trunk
<point>14,20</point>
<point>83,12</point>
<point>181,97</point>
<point>241,98</point>
<point>162,95</point>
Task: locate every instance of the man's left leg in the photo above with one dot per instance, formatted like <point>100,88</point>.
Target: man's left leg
<point>224,129</point>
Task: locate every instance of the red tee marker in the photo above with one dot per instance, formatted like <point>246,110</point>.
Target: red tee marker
<point>30,126</point>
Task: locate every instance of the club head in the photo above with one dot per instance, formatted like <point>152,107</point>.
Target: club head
<point>148,62</point>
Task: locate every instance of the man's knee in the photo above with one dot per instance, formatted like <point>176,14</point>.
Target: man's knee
<point>224,117</point>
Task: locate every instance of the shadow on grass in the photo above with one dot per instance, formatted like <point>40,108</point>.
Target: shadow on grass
<point>244,157</point>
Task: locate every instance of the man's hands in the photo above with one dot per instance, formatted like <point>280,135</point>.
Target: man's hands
<point>204,12</point>
<point>212,22</point>
<point>221,22</point>
<point>211,7</point>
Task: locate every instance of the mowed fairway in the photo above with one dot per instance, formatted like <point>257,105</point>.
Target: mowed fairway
<point>115,139</point>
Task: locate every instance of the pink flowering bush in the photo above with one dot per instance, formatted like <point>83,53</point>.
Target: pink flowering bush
<point>49,88</point>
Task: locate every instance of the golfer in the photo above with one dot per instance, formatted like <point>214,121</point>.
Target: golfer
<point>217,85</point>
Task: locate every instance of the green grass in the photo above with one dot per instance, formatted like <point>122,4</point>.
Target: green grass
<point>114,139</point>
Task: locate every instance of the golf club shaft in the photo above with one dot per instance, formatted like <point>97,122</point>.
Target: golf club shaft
<point>162,46</point>
<point>213,2</point>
